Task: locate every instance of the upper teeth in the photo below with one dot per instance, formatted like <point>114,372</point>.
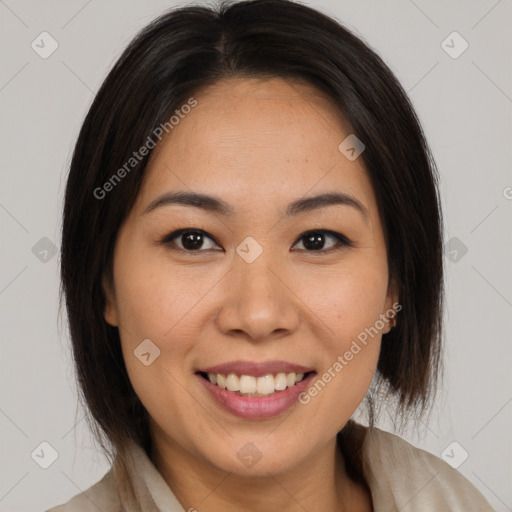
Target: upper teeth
<point>248,384</point>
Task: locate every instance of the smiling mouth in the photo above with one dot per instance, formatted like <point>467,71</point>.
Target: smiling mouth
<point>250,386</point>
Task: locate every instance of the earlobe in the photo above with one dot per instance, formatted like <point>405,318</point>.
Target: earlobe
<point>110,315</point>
<point>110,311</point>
<point>393,307</point>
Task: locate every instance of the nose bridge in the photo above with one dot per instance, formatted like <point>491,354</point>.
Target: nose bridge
<point>252,264</point>
<point>257,301</point>
<point>257,279</point>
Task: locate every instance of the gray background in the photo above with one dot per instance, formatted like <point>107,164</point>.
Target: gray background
<point>464,104</point>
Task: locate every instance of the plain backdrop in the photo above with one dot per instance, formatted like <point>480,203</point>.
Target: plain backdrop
<point>464,101</point>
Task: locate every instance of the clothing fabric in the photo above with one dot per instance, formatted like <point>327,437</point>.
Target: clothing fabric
<point>400,476</point>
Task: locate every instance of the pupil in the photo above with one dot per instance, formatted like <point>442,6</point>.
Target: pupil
<point>192,240</point>
<point>314,241</point>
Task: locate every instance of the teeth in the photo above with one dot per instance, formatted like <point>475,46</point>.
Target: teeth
<point>232,382</point>
<point>221,381</point>
<point>248,385</point>
<point>266,385</point>
<point>280,381</point>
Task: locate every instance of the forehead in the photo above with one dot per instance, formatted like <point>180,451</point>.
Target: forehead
<point>255,139</point>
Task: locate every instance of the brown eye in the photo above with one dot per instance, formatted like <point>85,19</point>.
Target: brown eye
<point>190,240</point>
<point>315,241</point>
<point>194,240</point>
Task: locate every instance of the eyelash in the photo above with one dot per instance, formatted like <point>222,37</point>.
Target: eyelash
<point>342,240</point>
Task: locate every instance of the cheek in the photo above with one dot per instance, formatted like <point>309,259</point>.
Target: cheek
<point>155,299</point>
<point>156,303</point>
<point>349,306</point>
<point>349,299</point>
<point>162,304</point>
<point>349,302</point>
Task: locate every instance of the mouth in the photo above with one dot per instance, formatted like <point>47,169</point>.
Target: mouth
<point>255,391</point>
<point>255,386</point>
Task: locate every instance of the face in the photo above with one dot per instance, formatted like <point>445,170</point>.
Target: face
<point>256,293</point>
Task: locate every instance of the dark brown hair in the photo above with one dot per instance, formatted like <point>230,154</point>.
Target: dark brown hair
<point>186,50</point>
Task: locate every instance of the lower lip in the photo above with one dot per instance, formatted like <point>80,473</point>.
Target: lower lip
<point>256,408</point>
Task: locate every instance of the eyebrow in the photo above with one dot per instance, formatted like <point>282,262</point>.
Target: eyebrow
<point>216,205</point>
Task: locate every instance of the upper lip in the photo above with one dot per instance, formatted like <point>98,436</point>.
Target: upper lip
<point>256,369</point>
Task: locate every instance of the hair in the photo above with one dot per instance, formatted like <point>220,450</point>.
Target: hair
<point>182,52</point>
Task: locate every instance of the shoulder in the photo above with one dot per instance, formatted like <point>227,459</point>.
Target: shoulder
<point>100,496</point>
<point>404,477</point>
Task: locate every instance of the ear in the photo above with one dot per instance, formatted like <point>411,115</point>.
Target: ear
<point>110,312</point>
<point>392,306</point>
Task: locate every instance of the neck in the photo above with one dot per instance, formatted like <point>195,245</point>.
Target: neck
<point>319,483</point>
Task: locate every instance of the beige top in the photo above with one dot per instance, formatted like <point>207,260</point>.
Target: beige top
<point>400,476</point>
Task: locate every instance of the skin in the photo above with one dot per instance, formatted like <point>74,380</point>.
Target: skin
<point>257,144</point>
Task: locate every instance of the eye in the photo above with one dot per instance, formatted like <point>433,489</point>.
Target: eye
<point>193,240</point>
<point>190,239</point>
<point>314,240</point>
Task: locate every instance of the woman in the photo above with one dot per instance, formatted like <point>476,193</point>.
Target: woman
<point>251,239</point>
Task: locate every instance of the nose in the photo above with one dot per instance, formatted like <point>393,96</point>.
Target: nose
<point>258,302</point>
